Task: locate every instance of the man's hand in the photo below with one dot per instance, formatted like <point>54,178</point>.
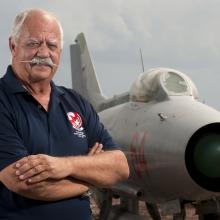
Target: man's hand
<point>37,168</point>
<point>96,149</point>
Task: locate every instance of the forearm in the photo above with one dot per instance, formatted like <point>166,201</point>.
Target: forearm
<point>102,170</point>
<point>98,169</point>
<point>47,190</point>
<point>54,190</point>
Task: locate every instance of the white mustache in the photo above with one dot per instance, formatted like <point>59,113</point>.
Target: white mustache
<point>39,61</point>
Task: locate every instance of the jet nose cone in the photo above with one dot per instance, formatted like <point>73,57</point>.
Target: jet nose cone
<point>202,157</point>
<point>207,155</point>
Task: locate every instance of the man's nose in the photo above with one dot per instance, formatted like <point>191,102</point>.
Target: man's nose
<point>43,50</point>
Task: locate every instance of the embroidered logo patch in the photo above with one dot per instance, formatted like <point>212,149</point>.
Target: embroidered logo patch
<point>76,122</point>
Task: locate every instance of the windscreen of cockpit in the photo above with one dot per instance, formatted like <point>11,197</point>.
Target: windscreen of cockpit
<point>174,84</point>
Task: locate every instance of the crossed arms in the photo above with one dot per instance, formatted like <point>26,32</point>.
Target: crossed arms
<point>48,178</point>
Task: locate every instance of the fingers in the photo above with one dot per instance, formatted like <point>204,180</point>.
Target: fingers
<point>31,166</point>
<point>25,160</point>
<point>93,149</point>
<point>38,178</point>
<point>99,149</point>
<point>23,175</point>
<point>96,149</point>
<point>36,168</point>
<point>27,163</point>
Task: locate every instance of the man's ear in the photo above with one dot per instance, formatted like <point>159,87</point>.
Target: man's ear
<point>11,45</point>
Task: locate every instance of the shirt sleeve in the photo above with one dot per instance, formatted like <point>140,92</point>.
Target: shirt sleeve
<point>11,145</point>
<point>96,131</point>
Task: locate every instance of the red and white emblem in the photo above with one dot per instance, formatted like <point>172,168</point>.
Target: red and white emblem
<point>75,120</point>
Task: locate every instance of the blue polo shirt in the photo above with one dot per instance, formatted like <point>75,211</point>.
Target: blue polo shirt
<point>69,127</point>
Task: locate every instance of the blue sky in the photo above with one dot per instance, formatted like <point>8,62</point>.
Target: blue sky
<point>183,35</point>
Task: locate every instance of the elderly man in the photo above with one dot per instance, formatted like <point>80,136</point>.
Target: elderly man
<point>46,166</point>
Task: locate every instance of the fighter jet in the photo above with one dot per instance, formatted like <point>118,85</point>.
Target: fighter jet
<point>171,141</point>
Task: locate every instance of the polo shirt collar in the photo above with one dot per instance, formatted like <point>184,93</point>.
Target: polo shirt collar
<point>11,82</point>
<point>56,90</point>
<point>13,85</point>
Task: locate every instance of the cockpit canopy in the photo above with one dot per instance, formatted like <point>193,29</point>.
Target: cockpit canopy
<point>161,83</point>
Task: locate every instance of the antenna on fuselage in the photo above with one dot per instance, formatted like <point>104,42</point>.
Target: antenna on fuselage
<point>142,62</point>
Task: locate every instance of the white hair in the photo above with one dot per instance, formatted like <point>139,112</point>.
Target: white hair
<point>20,19</point>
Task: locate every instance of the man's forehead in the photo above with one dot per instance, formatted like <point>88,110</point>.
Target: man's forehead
<point>38,36</point>
<point>41,37</point>
<point>41,20</point>
<point>41,26</point>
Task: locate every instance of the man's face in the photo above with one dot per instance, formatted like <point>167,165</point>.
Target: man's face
<point>40,37</point>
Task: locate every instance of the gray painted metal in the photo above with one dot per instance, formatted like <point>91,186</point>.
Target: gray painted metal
<point>78,79</point>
